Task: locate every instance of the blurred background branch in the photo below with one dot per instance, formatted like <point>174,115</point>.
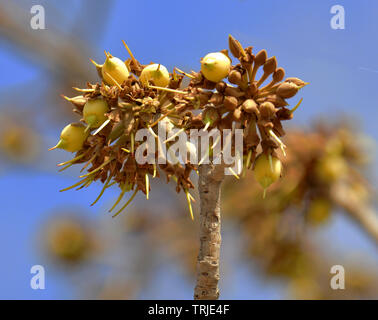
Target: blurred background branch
<point>363,214</point>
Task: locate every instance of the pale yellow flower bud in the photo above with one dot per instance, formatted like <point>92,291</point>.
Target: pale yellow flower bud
<point>215,66</point>
<point>72,138</point>
<point>267,171</point>
<point>114,69</point>
<point>156,73</point>
<point>94,112</point>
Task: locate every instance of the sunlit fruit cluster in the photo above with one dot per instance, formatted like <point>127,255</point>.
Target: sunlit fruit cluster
<point>132,96</point>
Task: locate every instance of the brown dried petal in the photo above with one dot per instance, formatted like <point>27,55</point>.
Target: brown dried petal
<point>207,84</point>
<point>278,129</point>
<point>252,139</point>
<point>284,114</point>
<point>204,98</point>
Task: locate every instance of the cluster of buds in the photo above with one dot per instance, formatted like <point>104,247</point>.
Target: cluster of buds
<point>132,96</point>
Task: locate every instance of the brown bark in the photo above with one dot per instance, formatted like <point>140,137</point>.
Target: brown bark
<point>209,185</point>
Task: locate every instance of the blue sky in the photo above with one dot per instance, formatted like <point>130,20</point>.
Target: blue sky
<point>341,66</point>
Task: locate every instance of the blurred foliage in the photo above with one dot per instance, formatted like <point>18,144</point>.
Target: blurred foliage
<point>19,141</point>
<point>68,240</point>
<point>277,232</point>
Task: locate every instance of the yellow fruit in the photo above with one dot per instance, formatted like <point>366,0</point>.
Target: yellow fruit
<point>330,168</point>
<point>114,69</point>
<point>72,138</point>
<point>94,112</point>
<point>215,66</point>
<point>319,211</point>
<point>67,240</point>
<point>19,143</point>
<point>266,172</point>
<point>156,73</point>
<point>334,147</point>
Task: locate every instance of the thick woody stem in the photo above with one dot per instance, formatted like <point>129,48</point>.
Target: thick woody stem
<point>209,184</point>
